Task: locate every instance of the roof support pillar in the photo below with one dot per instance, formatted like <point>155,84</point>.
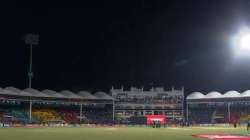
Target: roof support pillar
<point>80,112</point>
<point>187,113</point>
<point>30,111</point>
<point>113,115</point>
<point>229,112</point>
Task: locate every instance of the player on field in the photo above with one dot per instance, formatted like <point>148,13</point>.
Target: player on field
<point>248,124</point>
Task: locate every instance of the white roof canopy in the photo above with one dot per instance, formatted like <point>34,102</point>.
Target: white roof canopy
<point>35,92</point>
<point>53,93</point>
<point>246,93</point>
<point>17,91</point>
<point>195,95</point>
<point>231,94</point>
<point>215,94</point>
<point>47,93</point>
<point>70,94</point>
<point>103,95</point>
<point>86,95</point>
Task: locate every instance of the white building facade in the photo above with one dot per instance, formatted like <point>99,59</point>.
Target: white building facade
<point>156,101</point>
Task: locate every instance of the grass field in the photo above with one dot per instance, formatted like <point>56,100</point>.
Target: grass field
<point>133,133</point>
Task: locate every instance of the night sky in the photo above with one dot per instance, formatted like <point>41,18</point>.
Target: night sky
<point>94,45</point>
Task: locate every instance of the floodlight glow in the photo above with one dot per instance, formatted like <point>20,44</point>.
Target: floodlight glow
<point>245,42</point>
<point>241,43</point>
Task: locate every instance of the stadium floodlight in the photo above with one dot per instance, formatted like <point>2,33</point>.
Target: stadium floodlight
<point>245,42</point>
<point>31,39</point>
<point>241,43</point>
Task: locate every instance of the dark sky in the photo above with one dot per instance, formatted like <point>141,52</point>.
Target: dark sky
<point>94,45</point>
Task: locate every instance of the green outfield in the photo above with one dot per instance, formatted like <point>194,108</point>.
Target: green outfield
<point>132,133</point>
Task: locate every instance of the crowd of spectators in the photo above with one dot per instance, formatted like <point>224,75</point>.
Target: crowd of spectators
<point>218,114</point>
<point>45,115</point>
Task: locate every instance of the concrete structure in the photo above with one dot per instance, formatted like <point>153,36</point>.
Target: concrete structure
<point>156,101</point>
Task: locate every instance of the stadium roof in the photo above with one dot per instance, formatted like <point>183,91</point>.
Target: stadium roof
<point>103,95</point>
<point>217,95</point>
<point>47,93</point>
<point>86,95</point>
<point>13,89</point>
<point>17,91</point>
<point>213,94</point>
<point>245,93</point>
<point>7,92</point>
<point>36,93</point>
<point>232,94</point>
<point>195,95</point>
<point>70,94</point>
<point>53,93</point>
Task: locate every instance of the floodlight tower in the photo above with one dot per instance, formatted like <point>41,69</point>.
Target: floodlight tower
<point>31,39</point>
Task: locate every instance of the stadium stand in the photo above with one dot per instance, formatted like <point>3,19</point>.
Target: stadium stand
<point>49,106</point>
<point>45,115</point>
<point>98,115</point>
<point>216,108</point>
<point>13,114</point>
<point>69,115</point>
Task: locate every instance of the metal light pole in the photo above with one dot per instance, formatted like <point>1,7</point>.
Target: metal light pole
<point>187,119</point>
<point>30,73</point>
<point>81,113</point>
<point>31,39</point>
